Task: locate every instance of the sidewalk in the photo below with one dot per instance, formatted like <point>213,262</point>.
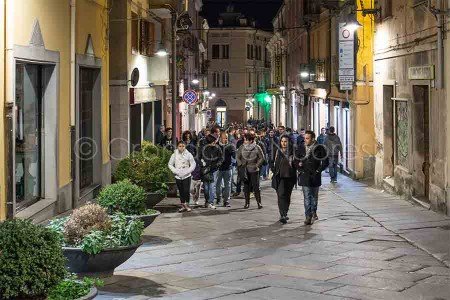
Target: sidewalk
<point>366,245</point>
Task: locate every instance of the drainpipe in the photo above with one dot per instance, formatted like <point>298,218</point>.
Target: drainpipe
<point>72,97</point>
<point>440,46</point>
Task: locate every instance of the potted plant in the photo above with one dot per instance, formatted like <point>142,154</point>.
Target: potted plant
<point>129,199</point>
<point>148,169</point>
<point>31,260</point>
<point>73,288</point>
<point>95,242</point>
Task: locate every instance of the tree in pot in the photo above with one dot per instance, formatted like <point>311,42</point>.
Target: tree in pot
<point>129,199</point>
<point>95,242</point>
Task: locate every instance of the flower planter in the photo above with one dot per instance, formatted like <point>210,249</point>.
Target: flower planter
<point>101,264</point>
<point>153,199</point>
<point>147,219</point>
<point>92,294</point>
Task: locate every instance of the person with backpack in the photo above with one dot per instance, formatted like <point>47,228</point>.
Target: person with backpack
<point>334,146</point>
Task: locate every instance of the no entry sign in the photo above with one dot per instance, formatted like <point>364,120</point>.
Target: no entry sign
<point>190,97</point>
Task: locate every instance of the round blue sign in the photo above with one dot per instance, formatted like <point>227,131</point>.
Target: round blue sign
<point>190,97</point>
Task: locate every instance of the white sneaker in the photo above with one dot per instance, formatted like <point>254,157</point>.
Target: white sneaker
<point>197,202</point>
<point>210,206</point>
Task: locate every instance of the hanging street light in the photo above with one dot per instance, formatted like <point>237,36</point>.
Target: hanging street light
<point>162,51</point>
<point>352,23</point>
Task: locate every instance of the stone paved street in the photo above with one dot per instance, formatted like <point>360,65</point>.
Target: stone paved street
<point>366,245</point>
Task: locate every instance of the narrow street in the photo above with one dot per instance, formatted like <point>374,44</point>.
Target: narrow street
<point>366,245</point>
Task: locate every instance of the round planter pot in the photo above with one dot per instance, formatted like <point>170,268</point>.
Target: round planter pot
<point>92,294</point>
<point>147,219</point>
<point>153,199</point>
<point>172,192</point>
<point>101,264</point>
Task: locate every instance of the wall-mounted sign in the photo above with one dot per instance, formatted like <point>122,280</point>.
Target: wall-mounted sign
<point>142,95</point>
<point>278,69</point>
<point>346,57</point>
<point>421,73</point>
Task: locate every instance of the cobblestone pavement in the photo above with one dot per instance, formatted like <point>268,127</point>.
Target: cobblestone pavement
<point>365,246</point>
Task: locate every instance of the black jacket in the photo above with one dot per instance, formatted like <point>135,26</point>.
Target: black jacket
<point>312,165</point>
<point>211,157</point>
<point>276,166</point>
<point>228,152</point>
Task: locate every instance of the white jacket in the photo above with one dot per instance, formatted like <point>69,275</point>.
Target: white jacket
<point>182,164</point>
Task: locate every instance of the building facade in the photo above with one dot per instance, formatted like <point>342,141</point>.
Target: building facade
<point>305,58</point>
<point>410,102</point>
<point>239,68</point>
<point>55,104</point>
<point>136,34</point>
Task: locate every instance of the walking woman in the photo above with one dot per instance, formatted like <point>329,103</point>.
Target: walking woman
<point>182,164</point>
<point>250,158</point>
<point>284,176</point>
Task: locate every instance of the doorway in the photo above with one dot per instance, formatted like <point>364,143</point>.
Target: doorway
<point>421,142</point>
<point>388,130</point>
<point>29,134</point>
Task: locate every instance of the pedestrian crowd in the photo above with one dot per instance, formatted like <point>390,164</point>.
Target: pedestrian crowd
<point>223,163</point>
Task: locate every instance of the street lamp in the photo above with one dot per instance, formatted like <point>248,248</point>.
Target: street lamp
<point>162,51</point>
<point>352,23</point>
<point>304,74</point>
<point>206,93</point>
<point>282,88</point>
<point>180,21</point>
<point>213,95</point>
<point>195,81</point>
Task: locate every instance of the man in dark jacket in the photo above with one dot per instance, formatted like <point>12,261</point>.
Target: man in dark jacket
<point>166,141</point>
<point>211,158</point>
<point>334,146</point>
<point>224,172</point>
<point>160,135</point>
<point>271,146</point>
<point>311,160</point>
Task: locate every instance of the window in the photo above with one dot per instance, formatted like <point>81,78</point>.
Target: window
<point>147,40</point>
<point>87,81</point>
<point>225,79</point>
<point>216,79</point>
<point>249,52</point>
<point>253,51</point>
<point>386,9</point>
<point>225,51</point>
<point>134,33</point>
<point>215,51</point>
<point>249,79</point>
<point>28,139</point>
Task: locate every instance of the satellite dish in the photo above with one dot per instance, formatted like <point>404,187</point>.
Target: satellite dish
<point>134,77</point>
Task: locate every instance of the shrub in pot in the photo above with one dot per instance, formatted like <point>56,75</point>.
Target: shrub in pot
<point>127,198</point>
<point>147,168</point>
<point>31,260</point>
<point>73,288</point>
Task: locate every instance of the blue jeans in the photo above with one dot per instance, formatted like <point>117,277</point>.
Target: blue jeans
<point>333,167</point>
<point>264,171</point>
<point>209,189</point>
<point>311,195</point>
<point>224,176</point>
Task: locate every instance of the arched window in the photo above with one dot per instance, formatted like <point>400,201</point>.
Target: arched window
<point>225,79</point>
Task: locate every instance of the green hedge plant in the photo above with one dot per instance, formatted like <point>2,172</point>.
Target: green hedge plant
<point>31,260</point>
<point>147,168</point>
<point>124,197</point>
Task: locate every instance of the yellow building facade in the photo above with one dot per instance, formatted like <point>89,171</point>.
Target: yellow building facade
<point>54,129</point>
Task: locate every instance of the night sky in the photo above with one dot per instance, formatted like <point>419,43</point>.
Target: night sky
<point>263,11</point>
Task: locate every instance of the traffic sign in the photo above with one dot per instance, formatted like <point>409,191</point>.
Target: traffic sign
<point>190,97</point>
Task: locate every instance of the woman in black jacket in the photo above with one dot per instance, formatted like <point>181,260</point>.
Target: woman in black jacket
<point>284,176</point>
